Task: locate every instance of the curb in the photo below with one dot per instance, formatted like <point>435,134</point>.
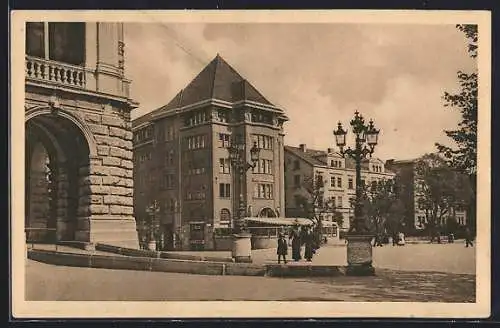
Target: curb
<point>155,264</point>
<point>160,254</point>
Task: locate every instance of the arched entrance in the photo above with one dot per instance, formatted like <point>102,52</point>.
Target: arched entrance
<point>267,212</point>
<point>57,159</point>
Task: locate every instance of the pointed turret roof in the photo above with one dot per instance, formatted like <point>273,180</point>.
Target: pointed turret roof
<point>218,80</point>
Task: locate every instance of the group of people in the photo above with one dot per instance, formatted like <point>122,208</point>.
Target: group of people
<point>398,239</point>
<point>298,237</point>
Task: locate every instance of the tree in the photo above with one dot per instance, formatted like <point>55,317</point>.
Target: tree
<point>382,206</point>
<point>439,189</point>
<point>463,157</point>
<point>313,203</point>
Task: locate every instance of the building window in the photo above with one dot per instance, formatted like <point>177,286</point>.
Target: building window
<point>171,205</point>
<point>339,201</point>
<point>339,182</point>
<point>224,190</point>
<point>225,216</point>
<point>196,171</point>
<point>66,42</point>
<point>296,165</point>
<point>263,141</point>
<point>350,183</point>
<point>196,118</point>
<point>224,140</point>
<point>263,166</point>
<point>224,165</point>
<point>169,133</point>
<point>198,195</point>
<point>263,190</point>
<point>296,180</point>
<point>332,182</point>
<point>196,142</point>
<point>333,163</point>
<point>167,181</point>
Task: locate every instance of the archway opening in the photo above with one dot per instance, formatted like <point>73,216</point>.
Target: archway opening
<point>56,190</point>
<point>267,212</point>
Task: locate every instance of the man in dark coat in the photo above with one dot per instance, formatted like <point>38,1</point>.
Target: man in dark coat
<point>282,248</point>
<point>309,245</point>
<point>468,238</point>
<point>295,237</point>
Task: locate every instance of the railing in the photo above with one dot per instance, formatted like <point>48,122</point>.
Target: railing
<point>54,71</point>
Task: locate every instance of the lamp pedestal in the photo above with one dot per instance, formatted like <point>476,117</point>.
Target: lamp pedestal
<point>359,255</point>
<point>242,247</point>
<point>152,245</point>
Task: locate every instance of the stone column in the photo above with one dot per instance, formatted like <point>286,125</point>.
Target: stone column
<point>109,76</point>
<point>91,54</point>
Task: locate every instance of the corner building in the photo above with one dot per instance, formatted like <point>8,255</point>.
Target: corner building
<point>78,139</point>
<point>181,158</point>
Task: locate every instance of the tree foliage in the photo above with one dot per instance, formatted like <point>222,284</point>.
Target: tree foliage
<point>314,205</point>
<point>439,189</point>
<point>382,206</point>
<point>464,155</point>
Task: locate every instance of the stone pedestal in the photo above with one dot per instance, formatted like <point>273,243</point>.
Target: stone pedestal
<point>242,248</point>
<point>359,255</point>
<point>152,245</point>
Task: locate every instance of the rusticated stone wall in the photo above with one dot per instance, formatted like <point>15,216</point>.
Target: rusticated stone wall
<point>107,183</point>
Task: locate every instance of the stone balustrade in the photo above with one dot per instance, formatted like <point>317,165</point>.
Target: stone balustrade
<point>55,72</point>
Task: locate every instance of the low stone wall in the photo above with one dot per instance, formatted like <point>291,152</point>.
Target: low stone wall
<point>164,255</point>
<point>223,243</point>
<point>264,242</point>
<point>182,266</point>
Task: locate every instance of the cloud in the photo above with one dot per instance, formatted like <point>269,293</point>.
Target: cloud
<point>319,73</point>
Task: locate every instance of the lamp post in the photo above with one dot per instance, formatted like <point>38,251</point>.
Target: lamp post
<point>241,250</point>
<point>154,224</point>
<point>359,249</point>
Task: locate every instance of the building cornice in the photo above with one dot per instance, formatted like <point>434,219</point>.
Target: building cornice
<point>55,87</point>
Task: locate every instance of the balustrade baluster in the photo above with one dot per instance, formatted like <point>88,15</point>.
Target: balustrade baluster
<point>69,76</point>
<point>37,70</point>
<point>63,75</point>
<point>51,73</point>
<point>28,68</point>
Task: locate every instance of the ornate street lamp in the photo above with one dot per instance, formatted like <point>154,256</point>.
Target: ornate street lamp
<point>241,250</point>
<point>153,211</point>
<point>359,251</point>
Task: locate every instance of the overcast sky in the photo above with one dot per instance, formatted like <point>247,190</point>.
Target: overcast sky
<point>318,73</point>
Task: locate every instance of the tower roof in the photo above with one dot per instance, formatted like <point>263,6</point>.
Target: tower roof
<point>218,80</point>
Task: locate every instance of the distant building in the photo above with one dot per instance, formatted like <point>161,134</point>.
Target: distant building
<point>415,218</point>
<point>338,174</point>
<point>181,157</point>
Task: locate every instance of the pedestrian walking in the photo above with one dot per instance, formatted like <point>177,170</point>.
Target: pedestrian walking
<point>394,239</point>
<point>468,238</point>
<point>282,248</point>
<point>296,243</point>
<point>401,239</point>
<point>309,245</point>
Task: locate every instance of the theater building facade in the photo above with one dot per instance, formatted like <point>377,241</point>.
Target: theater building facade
<point>181,158</point>
<point>78,139</point>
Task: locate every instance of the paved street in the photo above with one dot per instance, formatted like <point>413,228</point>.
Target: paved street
<point>450,258</point>
<point>424,273</point>
<point>49,283</point>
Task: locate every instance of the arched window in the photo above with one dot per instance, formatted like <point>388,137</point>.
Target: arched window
<point>267,212</point>
<point>225,216</point>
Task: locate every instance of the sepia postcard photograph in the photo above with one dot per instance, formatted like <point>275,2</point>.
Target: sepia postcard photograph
<point>292,164</point>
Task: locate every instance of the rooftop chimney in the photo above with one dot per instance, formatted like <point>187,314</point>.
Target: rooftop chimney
<point>303,147</point>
